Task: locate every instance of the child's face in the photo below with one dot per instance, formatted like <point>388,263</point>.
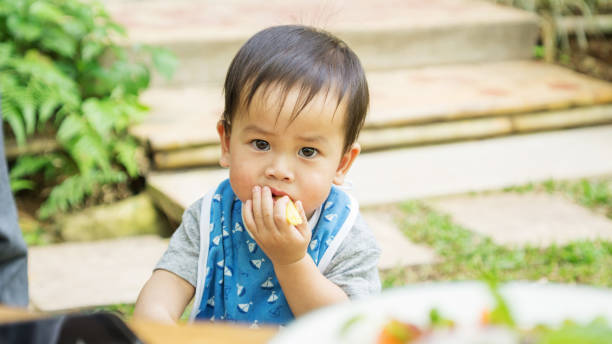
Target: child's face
<point>299,158</point>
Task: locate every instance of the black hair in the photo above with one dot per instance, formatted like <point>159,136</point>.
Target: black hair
<point>291,56</point>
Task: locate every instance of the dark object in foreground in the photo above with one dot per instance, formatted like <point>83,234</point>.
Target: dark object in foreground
<point>93,328</point>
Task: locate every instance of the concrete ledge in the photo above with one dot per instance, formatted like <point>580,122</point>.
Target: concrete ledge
<point>563,119</point>
<point>425,134</point>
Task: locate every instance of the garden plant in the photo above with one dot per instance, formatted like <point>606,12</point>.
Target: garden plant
<point>67,73</point>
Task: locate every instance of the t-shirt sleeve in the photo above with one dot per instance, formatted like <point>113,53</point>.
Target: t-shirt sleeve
<point>181,257</point>
<point>354,266</point>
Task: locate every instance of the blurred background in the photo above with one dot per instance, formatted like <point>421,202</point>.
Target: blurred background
<point>487,150</point>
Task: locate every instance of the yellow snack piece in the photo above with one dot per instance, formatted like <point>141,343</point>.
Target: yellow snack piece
<point>292,214</point>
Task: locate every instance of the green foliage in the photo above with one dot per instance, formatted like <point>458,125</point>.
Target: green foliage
<point>74,189</point>
<point>62,71</point>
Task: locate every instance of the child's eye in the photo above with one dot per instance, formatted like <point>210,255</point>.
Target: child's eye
<point>260,145</point>
<point>308,152</point>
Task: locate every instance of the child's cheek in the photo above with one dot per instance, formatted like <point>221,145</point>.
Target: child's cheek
<point>242,185</point>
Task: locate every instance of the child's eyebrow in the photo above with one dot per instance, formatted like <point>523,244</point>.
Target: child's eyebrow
<point>257,130</point>
<point>315,138</point>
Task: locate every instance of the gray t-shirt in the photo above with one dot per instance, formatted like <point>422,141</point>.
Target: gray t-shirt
<point>353,267</point>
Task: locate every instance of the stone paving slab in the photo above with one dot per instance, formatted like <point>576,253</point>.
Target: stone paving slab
<point>205,34</point>
<point>75,275</point>
<point>397,249</point>
<point>526,219</point>
<point>422,172</point>
<point>187,117</point>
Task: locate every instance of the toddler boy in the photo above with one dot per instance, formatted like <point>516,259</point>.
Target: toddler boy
<point>295,100</point>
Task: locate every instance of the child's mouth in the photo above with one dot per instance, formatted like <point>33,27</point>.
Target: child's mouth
<point>277,194</point>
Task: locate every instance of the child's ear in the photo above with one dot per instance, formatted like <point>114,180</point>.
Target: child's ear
<point>346,162</point>
<point>224,137</point>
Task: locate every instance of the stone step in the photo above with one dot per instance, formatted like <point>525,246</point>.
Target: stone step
<point>408,107</point>
<point>71,276</point>
<point>420,172</point>
<point>206,34</point>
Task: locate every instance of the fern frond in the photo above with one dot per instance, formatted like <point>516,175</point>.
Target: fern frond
<point>22,28</point>
<point>47,12</point>
<point>7,50</point>
<point>34,64</point>
<point>21,184</point>
<point>126,151</point>
<point>49,101</point>
<point>28,165</point>
<point>12,116</point>
<point>59,42</point>
<point>73,191</point>
<point>8,81</point>
<point>89,151</point>
<point>101,115</point>
<point>28,104</point>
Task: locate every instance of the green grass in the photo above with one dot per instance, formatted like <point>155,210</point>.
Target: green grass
<point>465,255</point>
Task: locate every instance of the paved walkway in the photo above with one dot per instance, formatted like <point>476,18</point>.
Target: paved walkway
<point>76,275</point>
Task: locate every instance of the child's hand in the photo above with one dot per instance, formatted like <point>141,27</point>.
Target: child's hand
<point>282,242</point>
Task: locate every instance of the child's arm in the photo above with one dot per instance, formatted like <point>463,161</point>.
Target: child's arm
<point>303,284</point>
<point>163,298</point>
<point>306,288</point>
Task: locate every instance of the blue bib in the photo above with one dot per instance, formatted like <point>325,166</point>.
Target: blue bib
<point>236,280</point>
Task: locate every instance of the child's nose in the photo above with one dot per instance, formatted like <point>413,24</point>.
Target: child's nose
<point>279,169</point>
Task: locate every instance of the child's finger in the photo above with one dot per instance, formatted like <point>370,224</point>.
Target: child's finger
<point>247,216</point>
<point>280,213</point>
<point>257,214</point>
<point>302,227</point>
<point>267,209</point>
